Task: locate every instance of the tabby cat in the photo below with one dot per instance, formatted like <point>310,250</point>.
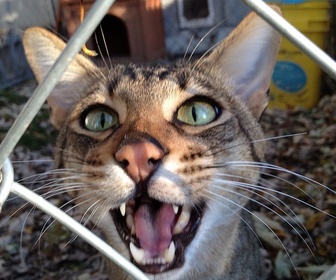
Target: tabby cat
<point>153,153</point>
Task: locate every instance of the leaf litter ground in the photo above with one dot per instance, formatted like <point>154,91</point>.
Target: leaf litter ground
<point>33,247</point>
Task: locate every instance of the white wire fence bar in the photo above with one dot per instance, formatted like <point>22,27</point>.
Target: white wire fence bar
<point>84,31</point>
<point>92,20</point>
<point>295,36</point>
<point>65,220</point>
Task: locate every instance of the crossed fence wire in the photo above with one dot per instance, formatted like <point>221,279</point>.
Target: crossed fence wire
<point>92,20</point>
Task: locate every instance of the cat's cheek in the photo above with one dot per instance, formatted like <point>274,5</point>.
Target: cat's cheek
<point>111,185</point>
<point>168,188</point>
<point>111,234</point>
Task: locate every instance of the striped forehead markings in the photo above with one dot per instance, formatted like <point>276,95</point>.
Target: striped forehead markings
<point>147,73</point>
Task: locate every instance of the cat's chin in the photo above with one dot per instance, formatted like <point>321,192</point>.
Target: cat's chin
<point>156,233</point>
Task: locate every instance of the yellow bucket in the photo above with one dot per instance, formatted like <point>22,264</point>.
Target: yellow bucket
<point>296,78</point>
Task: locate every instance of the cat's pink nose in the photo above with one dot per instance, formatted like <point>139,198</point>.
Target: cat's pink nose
<point>140,159</point>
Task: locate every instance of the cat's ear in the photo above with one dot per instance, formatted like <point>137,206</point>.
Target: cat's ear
<point>42,48</point>
<point>246,58</point>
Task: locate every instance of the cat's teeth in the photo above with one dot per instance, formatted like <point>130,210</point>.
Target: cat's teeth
<point>142,257</point>
<point>122,209</point>
<point>175,208</point>
<point>130,223</point>
<point>183,220</point>
<point>129,210</point>
<point>169,253</point>
<point>138,254</point>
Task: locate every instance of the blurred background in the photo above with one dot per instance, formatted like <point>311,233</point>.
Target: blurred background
<point>302,100</point>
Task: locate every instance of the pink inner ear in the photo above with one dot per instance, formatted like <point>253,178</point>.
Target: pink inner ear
<point>258,103</point>
<point>246,59</point>
<point>59,111</point>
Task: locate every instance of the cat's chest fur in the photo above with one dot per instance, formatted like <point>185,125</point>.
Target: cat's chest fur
<point>150,153</point>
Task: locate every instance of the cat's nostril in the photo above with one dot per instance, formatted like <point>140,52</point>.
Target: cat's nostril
<point>124,163</point>
<point>139,159</point>
<point>153,161</point>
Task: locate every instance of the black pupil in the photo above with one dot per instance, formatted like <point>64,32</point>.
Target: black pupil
<point>193,112</point>
<point>102,120</point>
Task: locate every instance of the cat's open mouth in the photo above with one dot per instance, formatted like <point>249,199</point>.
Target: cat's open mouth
<point>156,233</point>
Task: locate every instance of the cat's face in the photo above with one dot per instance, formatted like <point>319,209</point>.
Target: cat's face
<point>150,152</point>
<point>155,163</point>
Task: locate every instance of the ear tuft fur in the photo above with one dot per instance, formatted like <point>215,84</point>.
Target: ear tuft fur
<point>247,58</point>
<point>42,49</point>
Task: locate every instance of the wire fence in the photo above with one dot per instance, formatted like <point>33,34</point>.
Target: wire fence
<point>92,20</point>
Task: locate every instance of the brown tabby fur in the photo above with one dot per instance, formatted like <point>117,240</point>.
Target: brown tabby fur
<point>197,160</point>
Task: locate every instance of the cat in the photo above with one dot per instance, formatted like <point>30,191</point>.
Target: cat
<point>154,153</point>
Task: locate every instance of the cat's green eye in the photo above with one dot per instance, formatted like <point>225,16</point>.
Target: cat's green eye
<point>100,120</point>
<point>197,113</point>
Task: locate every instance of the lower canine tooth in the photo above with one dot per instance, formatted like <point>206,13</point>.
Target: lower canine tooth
<point>130,223</point>
<point>169,253</point>
<point>183,220</point>
<point>138,254</point>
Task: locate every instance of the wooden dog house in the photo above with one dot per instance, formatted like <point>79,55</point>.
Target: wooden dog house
<point>133,29</point>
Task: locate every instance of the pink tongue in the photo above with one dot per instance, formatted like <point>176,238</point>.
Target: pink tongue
<point>154,230</point>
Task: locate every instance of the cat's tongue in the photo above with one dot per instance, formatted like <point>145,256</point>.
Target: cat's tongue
<point>153,228</point>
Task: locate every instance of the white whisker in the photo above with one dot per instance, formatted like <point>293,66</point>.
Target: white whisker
<point>189,44</point>
<point>202,39</point>
<point>278,168</point>
<point>258,218</point>
<point>251,189</point>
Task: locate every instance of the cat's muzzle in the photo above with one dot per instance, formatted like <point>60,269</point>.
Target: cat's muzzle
<point>156,233</point>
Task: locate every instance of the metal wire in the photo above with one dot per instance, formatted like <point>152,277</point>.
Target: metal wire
<point>77,228</point>
<point>293,35</point>
<point>84,31</point>
<point>6,180</point>
<point>8,185</point>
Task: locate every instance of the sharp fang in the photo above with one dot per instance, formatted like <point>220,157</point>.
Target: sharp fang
<point>169,253</point>
<point>130,223</point>
<point>122,209</point>
<point>138,254</point>
<point>175,208</point>
<point>183,220</point>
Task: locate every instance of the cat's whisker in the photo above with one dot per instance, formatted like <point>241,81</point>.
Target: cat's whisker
<point>106,48</point>
<point>259,219</point>
<point>278,137</point>
<point>22,231</point>
<point>62,190</point>
<point>89,212</point>
<point>251,188</point>
<point>16,162</point>
<point>53,182</point>
<point>149,147</point>
<point>214,149</point>
<point>260,140</point>
<point>281,169</point>
<point>47,226</point>
<point>14,213</point>
<point>99,49</point>
<point>189,44</point>
<point>286,182</point>
<point>272,176</point>
<point>41,178</point>
<point>199,61</point>
<point>268,190</point>
<point>87,220</point>
<point>210,197</point>
<point>203,38</point>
